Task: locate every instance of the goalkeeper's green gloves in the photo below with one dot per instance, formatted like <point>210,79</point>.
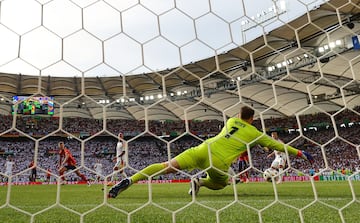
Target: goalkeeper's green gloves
<point>306,156</point>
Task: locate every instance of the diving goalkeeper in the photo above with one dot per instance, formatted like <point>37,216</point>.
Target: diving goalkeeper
<point>222,149</point>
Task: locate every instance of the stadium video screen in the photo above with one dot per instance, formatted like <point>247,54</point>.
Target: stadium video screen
<point>33,105</point>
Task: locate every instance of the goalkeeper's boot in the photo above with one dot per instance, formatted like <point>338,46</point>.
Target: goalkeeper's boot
<point>119,187</point>
<point>196,188</point>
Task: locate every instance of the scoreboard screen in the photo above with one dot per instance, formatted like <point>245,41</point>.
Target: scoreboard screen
<point>33,105</point>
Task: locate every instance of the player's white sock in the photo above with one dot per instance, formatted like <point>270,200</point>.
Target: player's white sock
<point>123,175</point>
<point>281,170</point>
<point>112,178</point>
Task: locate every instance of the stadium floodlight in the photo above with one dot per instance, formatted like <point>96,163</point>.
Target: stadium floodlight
<point>261,17</point>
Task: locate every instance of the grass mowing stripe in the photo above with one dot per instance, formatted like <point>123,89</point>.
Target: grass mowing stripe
<point>174,197</point>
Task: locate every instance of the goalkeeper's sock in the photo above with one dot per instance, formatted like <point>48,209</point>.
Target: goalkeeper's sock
<point>148,171</point>
<point>210,184</point>
<point>123,174</point>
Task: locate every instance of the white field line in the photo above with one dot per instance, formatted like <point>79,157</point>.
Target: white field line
<point>180,203</point>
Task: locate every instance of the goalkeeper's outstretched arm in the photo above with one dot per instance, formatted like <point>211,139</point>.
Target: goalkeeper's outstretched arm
<point>271,143</point>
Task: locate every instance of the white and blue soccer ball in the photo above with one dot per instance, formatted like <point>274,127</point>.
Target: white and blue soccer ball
<point>269,174</point>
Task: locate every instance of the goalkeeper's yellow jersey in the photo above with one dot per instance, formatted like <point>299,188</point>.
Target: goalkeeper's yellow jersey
<point>236,135</point>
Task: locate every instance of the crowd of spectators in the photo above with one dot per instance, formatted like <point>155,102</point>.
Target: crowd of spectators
<point>334,147</point>
<point>39,126</point>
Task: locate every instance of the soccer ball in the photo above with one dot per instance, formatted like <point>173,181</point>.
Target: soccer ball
<point>269,174</point>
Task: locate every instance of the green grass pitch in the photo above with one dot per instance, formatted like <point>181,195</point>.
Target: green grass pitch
<point>254,202</point>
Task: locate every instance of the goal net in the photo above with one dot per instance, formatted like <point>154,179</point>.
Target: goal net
<point>168,75</point>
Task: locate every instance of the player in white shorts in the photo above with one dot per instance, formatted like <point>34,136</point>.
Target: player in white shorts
<point>9,166</point>
<point>98,169</point>
<point>120,159</point>
<point>280,159</point>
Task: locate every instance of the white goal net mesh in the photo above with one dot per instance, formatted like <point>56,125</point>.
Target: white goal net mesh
<point>168,74</point>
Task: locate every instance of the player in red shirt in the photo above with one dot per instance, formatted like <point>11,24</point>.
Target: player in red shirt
<point>67,162</point>
<point>48,175</point>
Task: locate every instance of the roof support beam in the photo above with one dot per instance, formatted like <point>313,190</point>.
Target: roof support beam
<point>48,88</point>
<point>19,85</point>
<point>76,89</point>
<point>102,86</point>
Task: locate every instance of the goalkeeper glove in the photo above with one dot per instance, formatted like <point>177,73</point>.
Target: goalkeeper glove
<point>306,156</point>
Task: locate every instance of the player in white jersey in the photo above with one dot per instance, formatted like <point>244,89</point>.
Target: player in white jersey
<point>120,159</point>
<point>280,158</point>
<point>9,165</point>
<point>99,170</point>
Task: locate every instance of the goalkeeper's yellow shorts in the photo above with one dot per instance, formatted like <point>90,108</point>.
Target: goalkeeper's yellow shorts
<point>198,158</point>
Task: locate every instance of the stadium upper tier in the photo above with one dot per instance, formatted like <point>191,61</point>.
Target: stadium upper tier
<point>304,66</point>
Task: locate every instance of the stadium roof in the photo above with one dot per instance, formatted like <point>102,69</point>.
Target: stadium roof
<point>304,66</point>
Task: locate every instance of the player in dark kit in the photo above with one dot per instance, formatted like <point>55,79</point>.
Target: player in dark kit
<point>33,173</point>
<point>243,165</point>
